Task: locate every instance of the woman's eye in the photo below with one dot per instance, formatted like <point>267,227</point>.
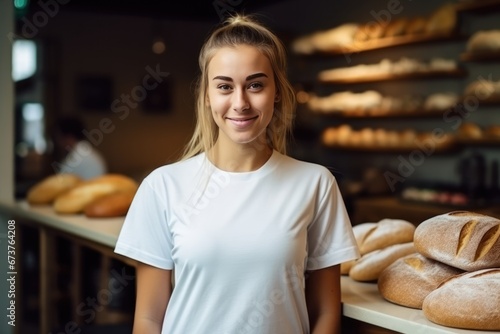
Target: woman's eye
<point>224,87</point>
<point>255,85</point>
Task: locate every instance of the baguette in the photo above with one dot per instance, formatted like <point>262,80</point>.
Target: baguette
<point>461,239</point>
<point>369,266</point>
<point>410,279</point>
<point>75,200</point>
<point>112,205</point>
<point>469,301</point>
<point>387,232</point>
<point>45,191</point>
<point>359,231</point>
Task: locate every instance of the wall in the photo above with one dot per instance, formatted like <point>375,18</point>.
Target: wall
<point>133,141</point>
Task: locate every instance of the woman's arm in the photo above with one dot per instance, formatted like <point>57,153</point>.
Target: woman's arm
<point>323,300</point>
<point>153,293</point>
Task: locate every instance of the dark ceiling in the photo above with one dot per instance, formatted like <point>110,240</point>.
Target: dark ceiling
<point>207,10</point>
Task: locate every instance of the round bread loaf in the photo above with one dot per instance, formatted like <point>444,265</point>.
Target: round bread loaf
<point>408,280</point>
<point>461,239</point>
<point>387,232</point>
<point>369,266</point>
<point>442,20</point>
<point>45,191</point>
<point>75,200</point>
<point>112,205</point>
<point>469,301</point>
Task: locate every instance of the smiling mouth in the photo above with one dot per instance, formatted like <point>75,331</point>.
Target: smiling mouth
<point>242,119</point>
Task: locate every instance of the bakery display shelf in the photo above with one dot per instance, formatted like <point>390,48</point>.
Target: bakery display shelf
<point>480,57</point>
<point>478,6</point>
<point>435,74</point>
<point>362,301</point>
<point>380,113</point>
<point>486,141</point>
<point>393,41</point>
<point>448,148</point>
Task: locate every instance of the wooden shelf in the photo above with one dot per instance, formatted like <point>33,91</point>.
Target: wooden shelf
<point>488,141</point>
<point>387,42</point>
<point>458,73</point>
<point>378,113</point>
<point>478,6</point>
<point>480,57</point>
<point>447,148</point>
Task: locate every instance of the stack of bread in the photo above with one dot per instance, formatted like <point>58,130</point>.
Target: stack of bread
<point>373,103</point>
<point>403,66</point>
<point>351,36</point>
<point>484,42</point>
<point>380,244</point>
<point>454,275</point>
<point>109,195</point>
<point>482,90</point>
<point>344,136</point>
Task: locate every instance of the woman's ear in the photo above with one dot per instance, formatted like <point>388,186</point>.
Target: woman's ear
<point>277,97</point>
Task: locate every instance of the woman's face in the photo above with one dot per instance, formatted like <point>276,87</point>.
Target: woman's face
<point>241,94</point>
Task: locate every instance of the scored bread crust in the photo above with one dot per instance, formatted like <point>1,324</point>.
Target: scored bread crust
<point>468,301</point>
<point>461,239</point>
<point>408,280</point>
<point>387,232</point>
<point>76,199</point>
<point>369,266</point>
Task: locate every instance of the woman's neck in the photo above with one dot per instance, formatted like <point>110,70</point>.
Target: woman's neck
<point>239,158</point>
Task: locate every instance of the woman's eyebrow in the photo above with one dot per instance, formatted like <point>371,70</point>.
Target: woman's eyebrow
<point>250,77</point>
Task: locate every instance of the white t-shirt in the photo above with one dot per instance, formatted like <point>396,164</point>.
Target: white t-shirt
<point>240,243</point>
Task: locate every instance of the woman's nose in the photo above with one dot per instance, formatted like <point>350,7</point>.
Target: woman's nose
<point>240,101</point>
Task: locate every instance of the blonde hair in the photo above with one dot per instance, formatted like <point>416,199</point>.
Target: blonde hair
<point>235,31</point>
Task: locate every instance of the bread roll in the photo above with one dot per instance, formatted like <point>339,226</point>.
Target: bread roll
<point>396,27</point>
<point>49,188</point>
<point>484,41</point>
<point>112,205</point>
<point>408,280</point>
<point>75,200</point>
<point>416,25</point>
<point>462,239</point>
<point>359,231</point>
<point>470,130</point>
<point>369,266</point>
<point>469,301</point>
<point>387,232</point>
<point>442,20</point>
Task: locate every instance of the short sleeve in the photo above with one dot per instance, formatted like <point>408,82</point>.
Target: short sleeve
<point>330,237</point>
<point>145,234</point>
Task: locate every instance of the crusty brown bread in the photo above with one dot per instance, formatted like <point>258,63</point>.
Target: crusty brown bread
<point>369,266</point>
<point>359,232</point>
<point>387,232</point>
<point>408,280</point>
<point>469,301</point>
<point>461,239</point>
<point>75,200</point>
<point>45,191</point>
<point>112,205</point>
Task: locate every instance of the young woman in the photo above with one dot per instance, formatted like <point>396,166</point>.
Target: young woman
<point>254,238</point>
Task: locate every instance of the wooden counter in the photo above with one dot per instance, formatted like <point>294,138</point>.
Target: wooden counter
<point>361,301</point>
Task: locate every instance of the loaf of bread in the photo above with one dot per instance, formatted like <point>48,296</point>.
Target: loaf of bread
<point>45,191</point>
<point>112,205</point>
<point>470,130</point>
<point>359,232</point>
<point>468,301</point>
<point>387,232</point>
<point>461,239</point>
<point>442,20</point>
<point>369,266</point>
<point>408,280</point>
<point>484,41</point>
<point>416,25</point>
<point>75,200</point>
<point>396,27</point>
